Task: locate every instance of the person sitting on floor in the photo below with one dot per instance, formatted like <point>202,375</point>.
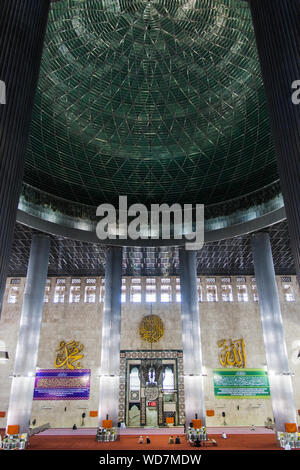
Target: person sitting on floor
<point>148,440</point>
<point>141,440</point>
<point>177,440</point>
<point>171,440</point>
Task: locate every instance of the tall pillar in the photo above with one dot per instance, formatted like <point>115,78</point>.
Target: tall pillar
<point>110,346</point>
<point>191,339</point>
<point>277,30</point>
<point>22,29</point>
<point>274,341</point>
<point>21,394</point>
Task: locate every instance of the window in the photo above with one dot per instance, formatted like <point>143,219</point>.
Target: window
<point>165,290</point>
<point>254,293</point>
<point>90,294</point>
<point>135,290</point>
<point>151,290</point>
<point>168,379</point>
<point>211,293</point>
<point>102,290</point>
<point>178,293</point>
<point>47,292</point>
<point>59,294</point>
<point>134,379</point>
<point>74,297</point>
<point>13,295</point>
<point>199,289</point>
<point>123,291</point>
<point>166,294</point>
<point>242,293</point>
<point>288,293</point>
<point>226,293</point>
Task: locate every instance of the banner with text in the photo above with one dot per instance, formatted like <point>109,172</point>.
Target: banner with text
<point>241,383</point>
<point>52,384</point>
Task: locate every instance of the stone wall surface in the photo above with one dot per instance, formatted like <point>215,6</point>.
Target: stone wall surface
<point>82,322</point>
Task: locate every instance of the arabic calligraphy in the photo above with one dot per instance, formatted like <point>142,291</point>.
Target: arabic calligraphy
<point>68,353</point>
<point>232,355</point>
<point>151,328</point>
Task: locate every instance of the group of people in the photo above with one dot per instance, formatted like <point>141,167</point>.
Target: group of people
<point>171,440</point>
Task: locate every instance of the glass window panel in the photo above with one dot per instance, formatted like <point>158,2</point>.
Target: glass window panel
<point>13,295</point>
<point>178,292</point>
<point>59,294</point>
<point>102,290</point>
<point>168,379</point>
<point>134,379</point>
<point>288,293</point>
<point>135,294</point>
<point>254,293</point>
<point>74,294</point>
<point>47,294</point>
<point>226,293</point>
<point>90,294</point>
<point>123,290</point>
<point>242,293</point>
<point>166,293</point>
<point>211,294</point>
<point>150,294</point>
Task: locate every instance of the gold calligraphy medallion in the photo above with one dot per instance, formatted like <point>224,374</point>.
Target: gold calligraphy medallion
<point>151,328</point>
<point>233,355</point>
<point>68,353</point>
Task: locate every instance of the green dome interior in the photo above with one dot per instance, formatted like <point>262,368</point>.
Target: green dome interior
<point>158,100</point>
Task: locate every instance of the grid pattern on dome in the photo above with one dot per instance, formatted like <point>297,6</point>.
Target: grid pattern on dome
<point>158,100</point>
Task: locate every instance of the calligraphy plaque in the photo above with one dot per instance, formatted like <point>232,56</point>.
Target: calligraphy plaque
<point>53,384</point>
<point>151,328</point>
<point>232,354</point>
<point>68,355</point>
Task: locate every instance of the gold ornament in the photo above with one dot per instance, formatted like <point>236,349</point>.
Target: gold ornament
<point>233,355</point>
<point>151,328</point>
<point>67,354</point>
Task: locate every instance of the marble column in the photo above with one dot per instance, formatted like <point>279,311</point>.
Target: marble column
<point>281,388</point>
<point>21,395</point>
<point>110,346</point>
<point>277,31</point>
<point>191,339</point>
<point>22,30</point>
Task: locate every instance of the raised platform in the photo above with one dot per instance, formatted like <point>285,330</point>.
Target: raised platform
<point>158,431</point>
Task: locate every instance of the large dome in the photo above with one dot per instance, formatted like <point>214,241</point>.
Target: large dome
<point>158,100</point>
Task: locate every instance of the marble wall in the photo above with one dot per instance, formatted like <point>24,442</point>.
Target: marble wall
<point>81,321</point>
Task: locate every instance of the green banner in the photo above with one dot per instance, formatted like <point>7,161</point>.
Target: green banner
<point>241,383</point>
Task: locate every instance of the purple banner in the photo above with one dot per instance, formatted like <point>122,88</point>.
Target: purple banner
<point>52,384</point>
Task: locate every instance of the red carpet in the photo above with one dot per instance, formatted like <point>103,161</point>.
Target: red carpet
<point>233,442</point>
<point>248,442</point>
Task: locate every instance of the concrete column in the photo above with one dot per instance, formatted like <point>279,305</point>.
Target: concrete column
<point>22,29</point>
<point>274,341</point>
<point>191,339</point>
<point>277,31</point>
<point>20,403</point>
<point>110,347</point>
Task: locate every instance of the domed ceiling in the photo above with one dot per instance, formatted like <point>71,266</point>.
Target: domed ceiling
<point>158,100</point>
